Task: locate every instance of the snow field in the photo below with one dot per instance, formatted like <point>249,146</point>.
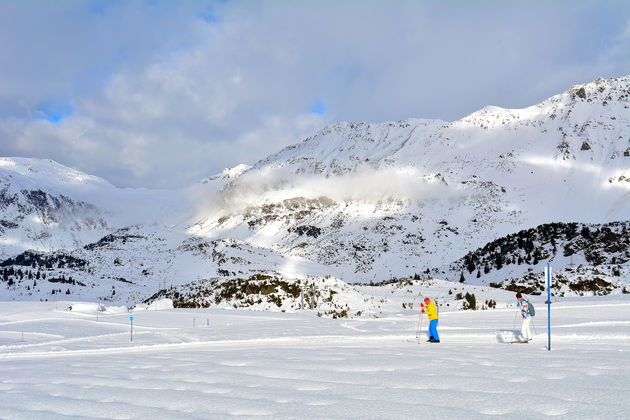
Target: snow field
<point>248,364</point>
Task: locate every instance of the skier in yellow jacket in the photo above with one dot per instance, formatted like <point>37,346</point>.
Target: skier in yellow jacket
<point>429,308</point>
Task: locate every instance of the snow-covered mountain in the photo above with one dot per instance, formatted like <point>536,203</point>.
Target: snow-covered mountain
<point>379,200</point>
<point>46,206</point>
<point>41,206</point>
<point>356,202</point>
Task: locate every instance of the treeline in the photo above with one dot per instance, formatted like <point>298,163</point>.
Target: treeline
<point>113,238</point>
<point>47,261</point>
<point>11,276</point>
<point>600,244</point>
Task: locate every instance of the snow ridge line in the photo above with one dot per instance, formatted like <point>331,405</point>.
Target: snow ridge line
<point>219,343</point>
<point>314,340</point>
<point>62,341</point>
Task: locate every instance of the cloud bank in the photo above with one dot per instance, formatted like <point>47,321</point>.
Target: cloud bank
<point>366,185</point>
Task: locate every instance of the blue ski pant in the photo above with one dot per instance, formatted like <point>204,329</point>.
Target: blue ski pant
<point>433,329</point>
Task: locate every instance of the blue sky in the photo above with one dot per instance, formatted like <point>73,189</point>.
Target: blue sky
<point>160,94</point>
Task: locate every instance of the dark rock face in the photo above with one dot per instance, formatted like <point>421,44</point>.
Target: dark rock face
<point>308,230</point>
<point>581,92</point>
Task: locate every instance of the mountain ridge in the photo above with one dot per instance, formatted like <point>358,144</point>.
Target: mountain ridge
<point>370,202</point>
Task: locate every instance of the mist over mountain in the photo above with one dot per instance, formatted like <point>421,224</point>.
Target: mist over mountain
<point>488,199</point>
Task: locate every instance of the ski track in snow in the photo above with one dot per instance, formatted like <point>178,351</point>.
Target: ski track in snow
<point>296,365</point>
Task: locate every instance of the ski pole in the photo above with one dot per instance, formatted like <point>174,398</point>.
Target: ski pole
<point>419,325</point>
<point>514,322</point>
<point>535,332</point>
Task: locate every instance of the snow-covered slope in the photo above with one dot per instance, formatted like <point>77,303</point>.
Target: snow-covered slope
<point>210,363</point>
<point>389,199</point>
<point>356,202</point>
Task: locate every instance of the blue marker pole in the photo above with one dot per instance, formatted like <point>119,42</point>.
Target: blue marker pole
<point>548,270</point>
<point>131,319</point>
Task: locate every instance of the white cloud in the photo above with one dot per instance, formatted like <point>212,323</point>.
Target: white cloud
<point>365,186</point>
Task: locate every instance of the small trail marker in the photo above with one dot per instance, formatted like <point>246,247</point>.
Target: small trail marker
<point>131,320</point>
<point>548,275</point>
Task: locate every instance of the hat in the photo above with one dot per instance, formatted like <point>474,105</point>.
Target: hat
<point>518,295</point>
<point>427,300</point>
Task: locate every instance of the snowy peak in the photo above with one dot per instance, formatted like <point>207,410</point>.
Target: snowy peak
<point>49,174</point>
<point>588,123</point>
<point>341,148</point>
<point>586,118</point>
<point>228,173</point>
<point>606,92</point>
<point>613,93</point>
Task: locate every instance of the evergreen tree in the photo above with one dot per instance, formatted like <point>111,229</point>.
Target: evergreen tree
<point>471,302</point>
<point>499,261</point>
<point>470,264</point>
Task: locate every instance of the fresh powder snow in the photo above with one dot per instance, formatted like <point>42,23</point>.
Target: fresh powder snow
<point>57,362</point>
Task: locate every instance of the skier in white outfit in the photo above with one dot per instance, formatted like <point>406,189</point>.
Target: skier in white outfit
<point>525,332</point>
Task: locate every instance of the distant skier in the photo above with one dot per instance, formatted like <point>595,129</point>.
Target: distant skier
<point>524,305</point>
<point>429,308</point>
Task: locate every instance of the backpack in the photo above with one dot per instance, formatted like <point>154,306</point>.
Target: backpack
<point>532,311</point>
